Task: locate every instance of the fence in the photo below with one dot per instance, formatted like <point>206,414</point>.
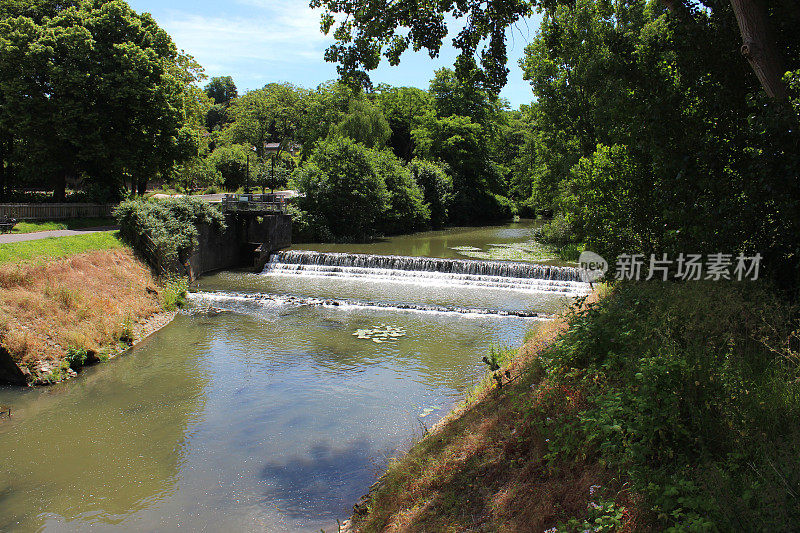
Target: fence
<point>55,211</point>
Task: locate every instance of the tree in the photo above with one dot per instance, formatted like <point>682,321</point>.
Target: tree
<point>437,188</point>
<point>407,211</point>
<point>221,89</point>
<point>270,114</point>
<point>364,123</point>
<point>93,89</point>
<point>367,29</point>
<point>344,194</point>
<point>403,107</point>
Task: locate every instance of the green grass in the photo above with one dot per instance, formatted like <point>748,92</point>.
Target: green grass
<point>53,225</point>
<point>57,247</point>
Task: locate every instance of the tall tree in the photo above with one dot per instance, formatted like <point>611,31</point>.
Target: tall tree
<point>93,89</point>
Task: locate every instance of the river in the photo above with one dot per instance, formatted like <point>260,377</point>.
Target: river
<point>273,411</point>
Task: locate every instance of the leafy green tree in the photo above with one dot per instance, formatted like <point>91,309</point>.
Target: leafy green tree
<point>403,107</point>
<point>407,211</point>
<point>345,196</point>
<point>271,114</point>
<point>222,90</point>
<point>364,123</point>
<point>92,89</point>
<point>437,188</point>
<point>231,163</point>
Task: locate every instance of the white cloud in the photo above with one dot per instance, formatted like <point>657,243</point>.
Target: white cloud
<point>281,33</point>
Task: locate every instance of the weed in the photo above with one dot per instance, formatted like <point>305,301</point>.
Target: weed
<point>173,295</point>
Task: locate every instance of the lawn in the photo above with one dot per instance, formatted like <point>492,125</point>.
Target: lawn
<point>52,225</point>
<point>57,247</point>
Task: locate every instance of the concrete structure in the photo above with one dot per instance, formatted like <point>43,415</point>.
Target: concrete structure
<point>247,241</point>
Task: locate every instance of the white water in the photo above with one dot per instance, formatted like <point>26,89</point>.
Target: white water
<point>525,277</point>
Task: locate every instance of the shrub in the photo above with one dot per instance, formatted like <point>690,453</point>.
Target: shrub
<point>558,230</point>
<point>407,211</point>
<point>437,188</point>
<point>171,224</point>
<point>692,390</point>
<point>173,296</point>
<point>344,192</point>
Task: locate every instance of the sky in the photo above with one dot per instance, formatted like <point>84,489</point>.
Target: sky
<point>262,41</point>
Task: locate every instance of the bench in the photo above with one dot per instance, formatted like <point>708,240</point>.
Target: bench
<point>7,224</point>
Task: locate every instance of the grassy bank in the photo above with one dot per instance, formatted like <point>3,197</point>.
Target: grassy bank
<point>660,406</point>
<point>59,313</point>
<point>57,247</point>
<point>53,225</point>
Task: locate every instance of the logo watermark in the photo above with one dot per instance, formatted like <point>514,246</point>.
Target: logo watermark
<point>685,267</point>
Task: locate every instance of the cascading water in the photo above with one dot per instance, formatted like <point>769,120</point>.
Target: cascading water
<point>428,271</point>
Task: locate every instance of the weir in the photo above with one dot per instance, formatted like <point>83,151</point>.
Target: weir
<point>428,270</point>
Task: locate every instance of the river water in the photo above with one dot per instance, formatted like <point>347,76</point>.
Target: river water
<point>272,415</point>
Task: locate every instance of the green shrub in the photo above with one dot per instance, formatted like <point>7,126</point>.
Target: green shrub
<point>558,231</point>
<point>173,295</point>
<point>170,224</point>
<point>437,188</point>
<point>690,389</point>
<point>344,192</point>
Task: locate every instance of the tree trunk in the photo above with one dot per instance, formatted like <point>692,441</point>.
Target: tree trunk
<point>141,186</point>
<point>759,47</point>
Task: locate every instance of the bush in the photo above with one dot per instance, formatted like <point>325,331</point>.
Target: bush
<point>692,391</point>
<point>407,210</point>
<point>170,224</point>
<point>344,191</point>
<point>558,230</point>
<point>437,188</point>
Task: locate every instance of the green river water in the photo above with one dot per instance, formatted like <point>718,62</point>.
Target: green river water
<point>270,416</point>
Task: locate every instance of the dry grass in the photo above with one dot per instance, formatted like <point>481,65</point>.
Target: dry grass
<point>85,301</point>
<point>483,467</point>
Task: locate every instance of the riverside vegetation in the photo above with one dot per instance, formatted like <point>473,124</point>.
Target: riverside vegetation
<point>655,407</point>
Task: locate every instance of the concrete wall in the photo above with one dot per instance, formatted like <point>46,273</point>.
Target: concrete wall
<point>243,243</point>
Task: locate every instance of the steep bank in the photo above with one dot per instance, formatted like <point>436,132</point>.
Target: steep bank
<point>59,314</point>
<point>659,407</point>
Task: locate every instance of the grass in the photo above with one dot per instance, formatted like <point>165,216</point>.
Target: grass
<point>76,223</point>
<point>57,247</point>
<point>60,312</point>
<point>658,407</point>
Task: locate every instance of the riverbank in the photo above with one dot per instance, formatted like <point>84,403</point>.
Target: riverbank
<point>58,314</point>
<point>658,406</point>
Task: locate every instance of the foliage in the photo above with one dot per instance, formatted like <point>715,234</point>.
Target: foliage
<point>690,389</point>
<point>173,295</point>
<point>169,225</point>
<point>558,230</point>
<point>364,123</point>
<point>344,192</point>
<point>196,173</point>
<point>94,88</point>
<point>649,140</point>
<point>437,188</point>
<point>407,211</point>
<point>231,162</point>
<point>365,30</point>
<point>221,89</point>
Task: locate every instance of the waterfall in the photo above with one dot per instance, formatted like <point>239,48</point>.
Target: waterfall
<point>428,270</point>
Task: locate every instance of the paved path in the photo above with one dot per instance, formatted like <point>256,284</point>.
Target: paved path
<point>6,238</point>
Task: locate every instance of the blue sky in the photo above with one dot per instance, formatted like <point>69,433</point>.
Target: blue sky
<point>260,41</point>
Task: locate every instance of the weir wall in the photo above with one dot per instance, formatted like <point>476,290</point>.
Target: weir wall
<point>244,242</point>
